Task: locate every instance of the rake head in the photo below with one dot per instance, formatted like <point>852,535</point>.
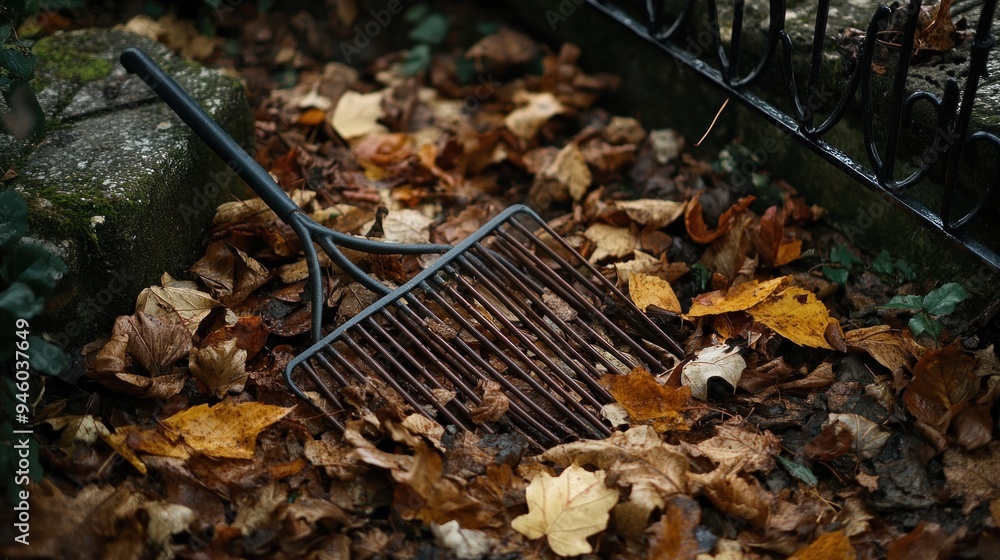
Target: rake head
<point>513,309</point>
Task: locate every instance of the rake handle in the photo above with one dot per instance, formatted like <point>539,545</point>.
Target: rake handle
<point>139,63</point>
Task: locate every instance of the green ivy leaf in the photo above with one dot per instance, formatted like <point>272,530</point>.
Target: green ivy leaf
<point>13,217</point>
<point>835,274</point>
<point>46,357</point>
<point>905,302</point>
<point>20,64</point>
<point>906,270</point>
<point>883,263</point>
<point>924,323</point>
<point>33,265</point>
<point>416,13</point>
<point>417,60</point>
<point>701,276</point>
<point>844,257</point>
<point>432,29</point>
<point>943,300</point>
<point>800,472</point>
<point>19,300</point>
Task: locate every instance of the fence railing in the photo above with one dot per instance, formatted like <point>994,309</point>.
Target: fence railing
<point>952,145</point>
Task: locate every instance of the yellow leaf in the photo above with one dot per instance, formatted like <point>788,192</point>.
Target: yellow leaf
<point>738,298</point>
<point>538,108</point>
<point>226,429</point>
<point>797,315</point>
<point>652,213</point>
<point>887,348</point>
<point>567,509</point>
<point>652,290</point>
<point>831,546</point>
<point>611,241</point>
<point>357,114</point>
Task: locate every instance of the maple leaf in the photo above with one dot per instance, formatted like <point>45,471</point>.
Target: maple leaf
<point>645,399</point>
<point>567,509</point>
<point>226,430</point>
<point>221,368</point>
<point>797,315</point>
<point>722,361</point>
<point>649,469</point>
<point>646,290</point>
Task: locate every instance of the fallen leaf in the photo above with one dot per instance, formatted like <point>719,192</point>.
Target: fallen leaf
<point>231,274</point>
<point>77,431</point>
<point>650,470</point>
<point>645,399</point>
<point>694,220</point>
<point>735,494</point>
<point>154,342</point>
<point>721,361</point>
<point>739,298</point>
<point>797,315</point>
<point>505,47</point>
<point>868,437</point>
<point>829,546</point>
<point>536,110</point>
<point>190,306</point>
<point>464,544</point>
<point>738,448</point>
<point>928,541</point>
<point>624,130</point>
<point>646,290</point>
<point>567,509</point>
<point>357,114</point>
<point>611,241</point>
<point>673,536</point>
<point>404,226</point>
<point>942,380</point>
<point>566,178</point>
<point>880,343</point>
<point>652,213</point>
<point>494,403</point>
<point>221,368</point>
<point>226,430</point>
<point>973,474</point>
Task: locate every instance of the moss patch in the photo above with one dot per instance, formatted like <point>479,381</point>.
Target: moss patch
<point>70,64</point>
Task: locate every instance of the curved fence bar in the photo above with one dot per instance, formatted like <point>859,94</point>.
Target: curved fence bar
<point>886,118</point>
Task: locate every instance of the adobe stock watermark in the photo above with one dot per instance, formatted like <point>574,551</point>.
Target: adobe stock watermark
<point>365,33</point>
<point>563,11</point>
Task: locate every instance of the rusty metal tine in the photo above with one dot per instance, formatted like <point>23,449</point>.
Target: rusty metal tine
<point>513,348</point>
<point>574,298</point>
<point>386,376</point>
<point>424,345</point>
<point>327,394</point>
<point>648,324</point>
<point>540,306</point>
<point>403,371</point>
<point>539,331</point>
<point>328,367</point>
<point>515,405</point>
<point>654,364</point>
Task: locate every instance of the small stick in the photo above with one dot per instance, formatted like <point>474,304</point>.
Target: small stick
<point>711,126</point>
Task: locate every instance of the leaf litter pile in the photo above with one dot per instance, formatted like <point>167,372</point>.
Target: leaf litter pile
<point>825,408</point>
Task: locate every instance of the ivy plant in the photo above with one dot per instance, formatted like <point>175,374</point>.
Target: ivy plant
<point>926,309</point>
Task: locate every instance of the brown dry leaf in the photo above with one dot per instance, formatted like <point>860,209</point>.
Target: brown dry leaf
<point>505,47</point>
<point>928,541</point>
<point>611,241</point>
<point>357,114</point>
<point>494,405</point>
<point>739,298</point>
<point>832,442</point>
<point>973,474</point>
<point>652,213</point>
<point>738,448</point>
<point>880,343</point>
<point>797,315</point>
<point>190,306</point>
<point>936,31</point>
<point>221,368</point>
<point>567,509</point>
<point>231,274</point>
<point>694,220</point>
<point>404,226</point>
<point>112,357</point>
<point>624,130</point>
<point>641,263</point>
<point>673,536</point>
<point>942,380</point>
<point>735,494</point>
<point>649,469</point>
<point>536,110</point>
<point>249,332</point>
<point>240,211</point>
<point>566,178</point>
<point>721,361</point>
<point>829,546</point>
<point>648,290</point>
<point>974,426</point>
<point>226,430</point>
<point>645,399</point>
<point>154,342</point>
<point>179,35</point>
<point>77,431</point>
<point>868,438</point>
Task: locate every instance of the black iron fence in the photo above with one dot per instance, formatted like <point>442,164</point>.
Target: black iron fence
<point>873,85</point>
